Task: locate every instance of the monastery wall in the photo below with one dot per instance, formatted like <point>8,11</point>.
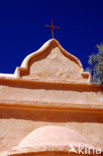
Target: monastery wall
<point>29,91</point>
<point>17,122</point>
<point>50,88</point>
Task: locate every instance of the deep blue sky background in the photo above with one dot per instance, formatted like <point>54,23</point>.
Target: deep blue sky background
<point>22,28</point>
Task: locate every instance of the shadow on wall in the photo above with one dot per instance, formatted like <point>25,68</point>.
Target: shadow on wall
<point>48,115</point>
<point>50,86</point>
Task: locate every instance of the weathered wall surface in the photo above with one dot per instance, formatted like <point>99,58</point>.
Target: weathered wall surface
<point>55,66</point>
<point>50,88</point>
<point>16,123</point>
<point>21,111</point>
<point>16,90</point>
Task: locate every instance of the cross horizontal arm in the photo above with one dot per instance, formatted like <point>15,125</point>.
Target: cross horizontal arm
<point>52,26</point>
<point>56,27</point>
<point>48,25</point>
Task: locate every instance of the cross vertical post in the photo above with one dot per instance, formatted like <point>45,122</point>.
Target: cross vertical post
<point>52,29</point>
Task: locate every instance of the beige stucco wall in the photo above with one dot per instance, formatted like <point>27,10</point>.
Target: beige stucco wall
<point>29,91</point>
<point>50,88</point>
<point>16,123</point>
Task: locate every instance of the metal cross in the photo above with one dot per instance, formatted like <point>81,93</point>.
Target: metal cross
<point>52,28</point>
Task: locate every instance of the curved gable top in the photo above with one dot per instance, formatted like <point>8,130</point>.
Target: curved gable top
<point>52,63</point>
<point>54,43</point>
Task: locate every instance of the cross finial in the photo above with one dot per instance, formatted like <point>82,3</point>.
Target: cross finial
<point>52,28</point>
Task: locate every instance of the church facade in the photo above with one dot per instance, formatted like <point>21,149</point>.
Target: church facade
<point>49,107</point>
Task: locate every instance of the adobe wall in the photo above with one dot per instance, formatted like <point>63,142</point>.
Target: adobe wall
<point>20,90</point>
<point>16,123</point>
<point>49,88</point>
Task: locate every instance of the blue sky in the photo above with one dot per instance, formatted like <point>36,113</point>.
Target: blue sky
<point>22,28</point>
